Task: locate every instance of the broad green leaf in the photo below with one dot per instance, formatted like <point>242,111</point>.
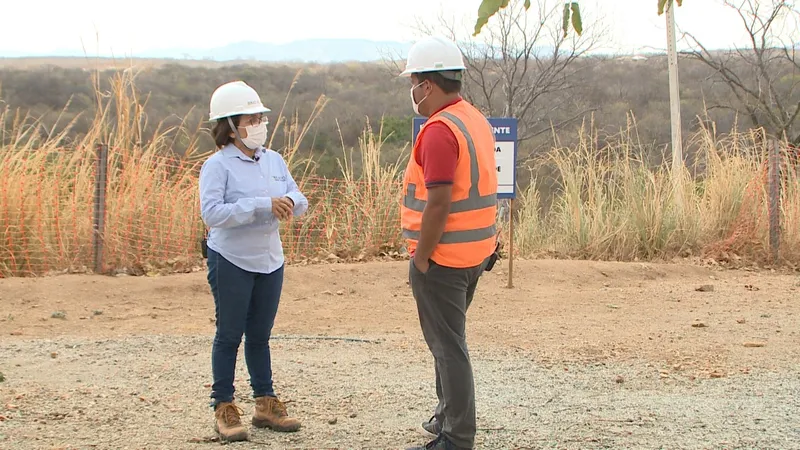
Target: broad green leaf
<point>487,9</point>
<point>577,23</point>
<point>662,4</point>
<point>572,13</point>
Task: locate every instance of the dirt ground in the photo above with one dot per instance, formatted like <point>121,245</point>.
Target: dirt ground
<point>577,355</point>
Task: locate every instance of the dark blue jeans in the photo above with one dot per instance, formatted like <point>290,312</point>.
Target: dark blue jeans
<point>246,303</point>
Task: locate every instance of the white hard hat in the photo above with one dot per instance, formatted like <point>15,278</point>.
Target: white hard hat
<point>433,54</point>
<point>235,98</point>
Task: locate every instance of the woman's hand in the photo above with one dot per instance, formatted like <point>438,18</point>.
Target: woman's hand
<point>281,208</point>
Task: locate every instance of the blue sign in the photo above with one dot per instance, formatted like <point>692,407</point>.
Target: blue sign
<point>505,152</point>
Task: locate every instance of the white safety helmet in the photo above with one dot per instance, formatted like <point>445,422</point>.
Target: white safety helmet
<point>435,54</point>
<point>233,99</point>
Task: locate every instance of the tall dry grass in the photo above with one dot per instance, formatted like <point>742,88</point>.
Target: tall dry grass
<point>152,220</point>
<point>47,191</point>
<point>610,203</point>
<point>355,217</point>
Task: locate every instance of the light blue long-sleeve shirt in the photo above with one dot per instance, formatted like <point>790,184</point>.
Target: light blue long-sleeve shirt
<point>236,204</point>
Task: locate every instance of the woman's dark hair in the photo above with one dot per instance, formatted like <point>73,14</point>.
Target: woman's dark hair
<point>222,131</point>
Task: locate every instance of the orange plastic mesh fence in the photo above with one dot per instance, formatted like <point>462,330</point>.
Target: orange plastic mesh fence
<point>346,219</point>
<point>749,235</point>
<point>45,212</point>
<point>152,217</point>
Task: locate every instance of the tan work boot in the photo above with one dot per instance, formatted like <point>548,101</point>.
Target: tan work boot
<point>228,423</point>
<point>271,412</point>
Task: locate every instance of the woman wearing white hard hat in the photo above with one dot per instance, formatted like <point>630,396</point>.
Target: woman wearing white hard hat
<point>245,191</point>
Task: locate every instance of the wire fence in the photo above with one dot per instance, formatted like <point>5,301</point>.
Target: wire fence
<point>122,212</point>
<point>769,207</point>
<point>132,212</point>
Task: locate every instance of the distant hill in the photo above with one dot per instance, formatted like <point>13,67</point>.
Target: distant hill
<point>306,51</point>
<point>322,51</point>
<point>311,50</point>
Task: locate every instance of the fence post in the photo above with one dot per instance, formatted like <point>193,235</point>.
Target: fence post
<point>774,193</point>
<point>98,223</point>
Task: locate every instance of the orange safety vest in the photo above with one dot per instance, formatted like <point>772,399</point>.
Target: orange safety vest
<point>470,231</point>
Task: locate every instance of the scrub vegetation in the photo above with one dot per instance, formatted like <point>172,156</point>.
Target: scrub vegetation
<point>589,194</point>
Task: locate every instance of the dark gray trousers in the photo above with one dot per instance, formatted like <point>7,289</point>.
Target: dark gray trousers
<point>443,295</point>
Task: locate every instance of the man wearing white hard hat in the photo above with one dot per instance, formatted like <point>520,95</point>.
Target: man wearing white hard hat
<point>448,217</point>
<point>246,190</point>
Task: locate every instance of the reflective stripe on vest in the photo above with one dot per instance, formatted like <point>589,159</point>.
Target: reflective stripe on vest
<point>458,237</point>
<point>474,200</point>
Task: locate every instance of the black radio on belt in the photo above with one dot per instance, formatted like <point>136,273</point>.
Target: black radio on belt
<point>493,259</point>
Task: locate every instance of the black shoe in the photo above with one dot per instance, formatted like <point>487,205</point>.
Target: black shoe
<point>431,428</point>
<point>440,443</point>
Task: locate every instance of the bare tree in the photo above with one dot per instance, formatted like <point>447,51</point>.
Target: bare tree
<point>523,66</point>
<point>764,76</point>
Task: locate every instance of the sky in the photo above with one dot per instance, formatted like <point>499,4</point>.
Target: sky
<point>103,26</point>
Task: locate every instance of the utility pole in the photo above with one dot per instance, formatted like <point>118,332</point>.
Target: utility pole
<point>674,104</point>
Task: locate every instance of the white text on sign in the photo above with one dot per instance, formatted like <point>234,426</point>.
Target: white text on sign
<point>501,130</point>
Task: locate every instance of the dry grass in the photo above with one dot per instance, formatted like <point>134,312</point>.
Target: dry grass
<point>152,218</point>
<point>609,204</point>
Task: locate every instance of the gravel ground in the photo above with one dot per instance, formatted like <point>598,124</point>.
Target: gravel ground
<point>579,355</point>
<point>151,392</point>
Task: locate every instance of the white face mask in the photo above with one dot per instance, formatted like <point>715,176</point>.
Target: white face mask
<point>416,105</point>
<point>256,136</point>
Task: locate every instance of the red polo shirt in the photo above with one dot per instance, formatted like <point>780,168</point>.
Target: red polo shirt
<point>437,153</point>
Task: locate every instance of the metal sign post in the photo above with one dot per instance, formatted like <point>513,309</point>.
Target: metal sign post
<point>505,152</point>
